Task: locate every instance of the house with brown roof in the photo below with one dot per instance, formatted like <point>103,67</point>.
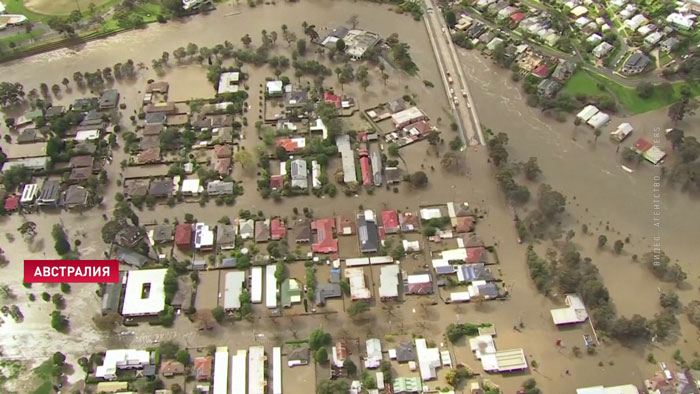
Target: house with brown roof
<point>151,155</point>
<point>409,222</point>
<point>135,187</point>
<point>157,87</point>
<point>76,197</point>
<point>80,174</point>
<point>162,233</point>
<point>81,161</point>
<point>226,236</point>
<point>152,129</point>
<point>202,368</point>
<point>262,230</point>
<point>167,108</point>
<point>463,224</point>
<point>302,231</point>
<point>149,142</point>
<point>183,236</point>
<point>171,368</point>
<point>128,236</point>
<point>477,255</point>
<point>345,225</point>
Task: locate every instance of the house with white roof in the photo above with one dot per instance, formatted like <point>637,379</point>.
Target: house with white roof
<point>428,360</point>
<point>646,29</point>
<point>681,21</point>
<point>581,22</point>
<point>653,38</point>
<point>622,131</point>
<point>578,11</point>
<point>120,359</point>
<point>145,292</point>
<point>374,353</point>
<point>602,50</point>
<point>598,120</point>
<point>228,82</point>
<point>274,88</point>
<point>635,22</point>
<point>191,187</point>
<point>575,311</point>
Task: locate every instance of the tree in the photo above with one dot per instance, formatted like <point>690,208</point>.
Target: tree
<point>689,149</point>
<point>59,322</point>
<point>218,313</point>
<point>629,155</point>
<point>350,367</point>
<point>61,243</point>
<point>645,89</point>
<point>551,203</point>
<point>602,240</point>
<point>321,355</point>
<point>11,94</point>
<point>183,357</point>
<point>166,317</point>
<point>65,82</point>
<point>451,18</point>
<point>15,176</point>
<point>244,158</point>
<point>107,322</point>
<point>192,49</point>
<point>301,46</point>
<point>669,300</point>
<point>246,40</point>
<point>452,161</point>
<point>340,45</point>
<point>357,308</point>
<point>419,179</point>
<point>532,169</point>
<point>165,56</point>
<point>318,339</point>
<point>393,149</point>
<point>675,136</point>
<point>280,274</point>
<point>337,386</point>
<point>617,247</point>
<point>168,349</point>
<point>58,301</point>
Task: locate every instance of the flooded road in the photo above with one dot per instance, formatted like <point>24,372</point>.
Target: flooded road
<point>599,193</point>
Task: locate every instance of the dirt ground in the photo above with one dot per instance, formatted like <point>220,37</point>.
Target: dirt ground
<point>583,170</point>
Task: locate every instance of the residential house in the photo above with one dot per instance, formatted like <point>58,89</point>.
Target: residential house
<point>463,224</point>
<point>635,22</point>
<point>161,188</point>
<point>325,291</point>
<point>680,21</point>
<point>324,240</point>
<point>389,282</point>
<point>347,157</point>
<point>81,161</point>
<point>602,50</point>
<point>575,311</point>
<point>162,233</point>
<point>203,237</point>
<point>299,174</point>
<point>11,203</point>
<point>296,98</point>
<point>228,82</point>
<point>28,136</point>
<point>109,99</point>
<point>150,155</point>
<point>358,288</point>
<point>171,368</point>
<point>49,193</point>
<point>226,236</point>
<point>345,226</point>
<point>302,231</point>
<point>202,368</point>
<point>298,356</point>
<point>392,175</point>
<point>274,88</point>
<point>277,229</point>
<point>128,236</point>
<point>405,352</point>
<point>635,64</point>
<point>262,230</point>
<point>54,111</point>
<point>669,44</point>
<point>418,283</point>
<point>76,197</point>
<point>646,29</point>
<point>190,187</point>
<point>134,187</point>
<point>548,88</point>
<point>246,228</point>
<point>390,221</point>
<point>183,236</point>
<point>622,131</point>
<point>472,272</point>
<point>653,38</point>
<point>219,188</point>
<point>368,232</point>
<point>409,222</point>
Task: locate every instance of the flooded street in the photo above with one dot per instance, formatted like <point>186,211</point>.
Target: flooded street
<point>598,191</point>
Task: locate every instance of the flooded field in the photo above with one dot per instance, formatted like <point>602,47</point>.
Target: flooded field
<point>600,194</point>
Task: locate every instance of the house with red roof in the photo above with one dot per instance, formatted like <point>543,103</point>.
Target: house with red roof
<point>276,182</point>
<point>477,255</point>
<point>11,203</point>
<point>291,144</point>
<point>642,145</point>
<point>222,165</point>
<point>420,128</point>
<point>517,17</point>
<point>365,167</point>
<point>331,98</point>
<point>541,71</point>
<point>278,230</point>
<point>202,368</point>
<point>222,151</point>
<point>183,236</point>
<point>390,221</point>
<point>324,240</point>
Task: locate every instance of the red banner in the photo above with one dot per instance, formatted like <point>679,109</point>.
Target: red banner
<point>71,271</point>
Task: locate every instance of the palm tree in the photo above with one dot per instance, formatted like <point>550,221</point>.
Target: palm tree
<point>65,82</point>
<point>597,133</point>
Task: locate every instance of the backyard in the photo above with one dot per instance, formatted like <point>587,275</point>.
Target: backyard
<point>585,82</point>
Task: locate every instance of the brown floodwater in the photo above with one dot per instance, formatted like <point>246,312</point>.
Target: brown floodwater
<point>598,191</point>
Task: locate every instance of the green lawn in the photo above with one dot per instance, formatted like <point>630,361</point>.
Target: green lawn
<point>587,83</point>
<point>20,37</point>
<point>17,7</point>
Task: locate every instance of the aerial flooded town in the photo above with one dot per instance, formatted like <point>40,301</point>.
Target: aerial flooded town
<point>332,197</point>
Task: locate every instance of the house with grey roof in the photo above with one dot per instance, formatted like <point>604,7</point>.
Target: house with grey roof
<point>163,233</point>
<point>299,174</point>
<point>226,236</point>
<point>405,352</point>
<point>296,98</point>
<point>548,88</point>
<point>635,64</point>
<point>80,174</point>
<point>302,231</point>
<point>48,196</point>
<point>111,298</point>
<point>325,291</point>
<point>160,187</point>
<point>602,50</point>
<point>28,135</point>
<point>368,232</point>
<point>219,188</point>
<point>472,272</point>
<point>130,257</point>
<point>109,99</point>
<point>76,197</point>
<point>564,71</point>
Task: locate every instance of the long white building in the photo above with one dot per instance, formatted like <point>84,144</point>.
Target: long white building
<point>239,372</point>
<point>256,285</point>
<point>276,370</point>
<point>270,287</point>
<point>256,370</point>
<point>221,370</point>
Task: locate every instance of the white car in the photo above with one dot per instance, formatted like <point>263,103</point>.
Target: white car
<point>464,93</point>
